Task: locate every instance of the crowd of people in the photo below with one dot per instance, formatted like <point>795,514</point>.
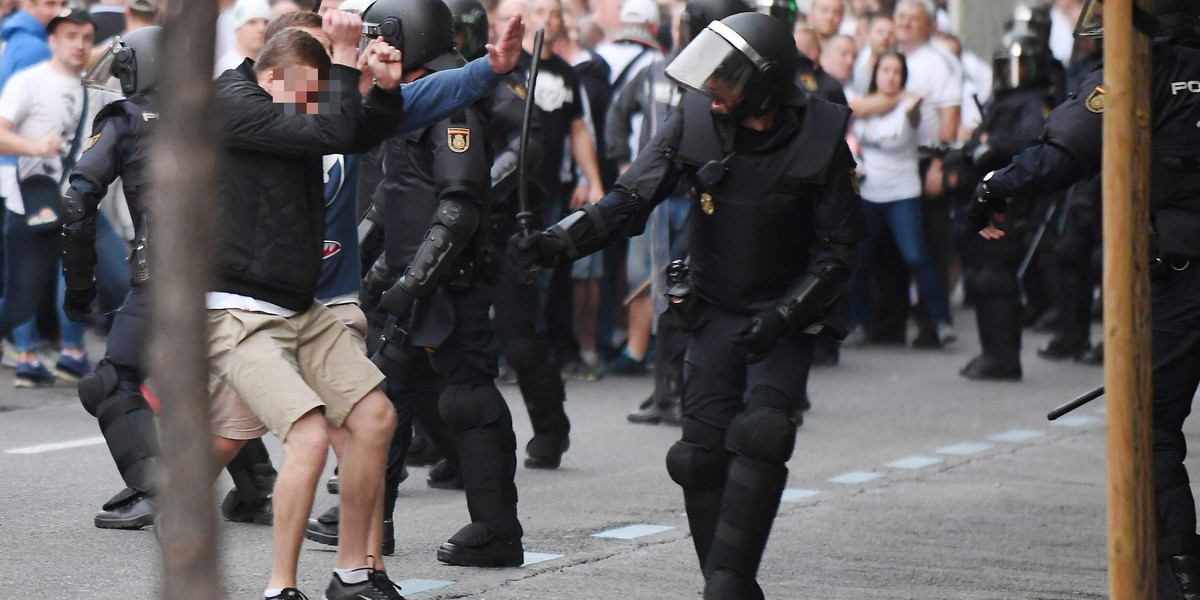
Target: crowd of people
<point>378,234</point>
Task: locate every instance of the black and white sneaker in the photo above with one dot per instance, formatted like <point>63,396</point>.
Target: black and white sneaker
<point>376,587</point>
<point>289,594</point>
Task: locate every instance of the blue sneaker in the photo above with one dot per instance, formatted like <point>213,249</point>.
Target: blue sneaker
<point>626,365</point>
<point>32,374</point>
<point>72,369</point>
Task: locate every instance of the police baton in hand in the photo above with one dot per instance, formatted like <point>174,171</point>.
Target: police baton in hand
<point>525,217</point>
<point>1076,403</point>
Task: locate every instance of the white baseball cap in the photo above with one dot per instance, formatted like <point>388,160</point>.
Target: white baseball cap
<point>246,10</point>
<point>640,12</point>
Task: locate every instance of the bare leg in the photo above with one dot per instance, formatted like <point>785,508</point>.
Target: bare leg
<point>639,327</point>
<point>587,299</point>
<point>370,425</point>
<point>224,449</point>
<point>306,446</point>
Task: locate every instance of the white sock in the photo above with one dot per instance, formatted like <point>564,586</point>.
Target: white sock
<point>272,592</point>
<point>352,576</point>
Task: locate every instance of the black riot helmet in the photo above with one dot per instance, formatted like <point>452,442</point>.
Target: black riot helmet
<point>1031,20</point>
<point>1171,14</point>
<point>1019,62</point>
<point>747,56</point>
<point>784,10</point>
<point>423,31</point>
<point>131,59</point>
<point>697,14</point>
<point>470,27</point>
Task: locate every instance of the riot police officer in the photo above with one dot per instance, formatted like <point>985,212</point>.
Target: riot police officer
<point>1070,150</point>
<point>1013,119</point>
<point>652,94</point>
<point>112,393</point>
<point>772,243</point>
<point>439,350</point>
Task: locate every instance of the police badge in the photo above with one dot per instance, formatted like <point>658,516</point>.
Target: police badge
<point>458,139</point>
<point>1095,100</point>
<point>809,81</point>
<point>706,204</point>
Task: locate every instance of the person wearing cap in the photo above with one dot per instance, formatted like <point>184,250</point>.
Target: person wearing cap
<point>250,18</point>
<point>110,18</point>
<point>42,121</point>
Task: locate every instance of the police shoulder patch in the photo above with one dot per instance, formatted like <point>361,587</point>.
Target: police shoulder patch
<point>517,89</point>
<point>1095,100</point>
<point>809,81</point>
<point>91,142</point>
<point>458,138</point>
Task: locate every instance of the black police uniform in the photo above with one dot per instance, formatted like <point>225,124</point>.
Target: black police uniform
<point>447,353</point>
<point>1070,150</point>
<point>112,393</point>
<point>1076,254</point>
<point>519,293</point>
<point>1013,121</point>
<point>784,210</point>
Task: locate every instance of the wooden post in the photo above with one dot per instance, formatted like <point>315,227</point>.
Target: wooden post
<point>184,201</point>
<point>1127,358</point>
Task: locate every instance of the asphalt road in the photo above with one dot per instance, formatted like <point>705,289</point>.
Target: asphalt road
<point>907,482</point>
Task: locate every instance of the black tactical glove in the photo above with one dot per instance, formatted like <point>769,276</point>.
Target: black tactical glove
<point>77,304</point>
<point>538,249</point>
<point>761,335</point>
<point>979,214</point>
<point>397,302</point>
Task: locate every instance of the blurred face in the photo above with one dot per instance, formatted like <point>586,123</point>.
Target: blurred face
<point>838,58</point>
<point>44,10</point>
<point>825,17</point>
<point>912,24</point>
<point>250,36</point>
<point>505,11</point>
<point>881,35</point>
<point>71,44</point>
<point>548,14</point>
<point>326,6</point>
<point>297,90</point>
<point>889,78</point>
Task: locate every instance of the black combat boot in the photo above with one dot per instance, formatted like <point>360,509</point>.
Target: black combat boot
<point>748,509</point>
<point>324,530</point>
<point>999,326</point>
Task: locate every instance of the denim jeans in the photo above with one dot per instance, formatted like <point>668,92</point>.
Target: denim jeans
<point>903,219</point>
<point>32,264</point>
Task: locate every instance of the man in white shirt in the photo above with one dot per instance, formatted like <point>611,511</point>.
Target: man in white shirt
<point>40,113</point>
<point>250,19</point>
<point>825,18</point>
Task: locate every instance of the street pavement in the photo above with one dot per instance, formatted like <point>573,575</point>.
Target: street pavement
<point>907,482</point>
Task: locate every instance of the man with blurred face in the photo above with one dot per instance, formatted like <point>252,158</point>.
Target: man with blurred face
<point>825,18</point>
<point>837,57</point>
<point>881,36</point>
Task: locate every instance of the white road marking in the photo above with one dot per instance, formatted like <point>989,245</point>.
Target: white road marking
<point>630,532</point>
<point>40,448</point>
<point>416,586</point>
<point>914,462</point>
<point>795,494</point>
<point>1017,435</point>
<point>854,477</point>
<point>963,449</point>
<point>1076,421</point>
<point>533,558</point>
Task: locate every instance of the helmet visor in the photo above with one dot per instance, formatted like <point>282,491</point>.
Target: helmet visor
<point>712,66</point>
<point>1091,20</point>
<point>100,76</point>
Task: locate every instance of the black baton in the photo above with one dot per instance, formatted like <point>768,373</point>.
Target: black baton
<point>1076,403</point>
<point>525,217</point>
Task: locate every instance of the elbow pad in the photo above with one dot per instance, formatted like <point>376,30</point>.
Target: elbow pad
<point>370,237</point>
<point>810,299</point>
<point>454,225</point>
<point>583,232</point>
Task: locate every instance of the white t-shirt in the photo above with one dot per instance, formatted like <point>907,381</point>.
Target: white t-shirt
<point>937,75</point>
<point>228,301</point>
<point>229,60</point>
<point>888,145</point>
<point>40,101</point>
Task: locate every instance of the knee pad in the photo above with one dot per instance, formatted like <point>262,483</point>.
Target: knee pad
<point>527,352</point>
<point>766,430</point>
<point>96,386</point>
<point>475,407</point>
<point>696,467</point>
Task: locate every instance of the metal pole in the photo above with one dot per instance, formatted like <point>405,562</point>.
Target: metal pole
<point>1127,359</point>
<point>184,200</point>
